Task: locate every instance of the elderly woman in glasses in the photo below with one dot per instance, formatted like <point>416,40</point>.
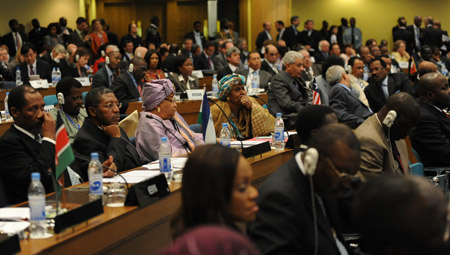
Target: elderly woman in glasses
<point>245,115</point>
<point>160,118</point>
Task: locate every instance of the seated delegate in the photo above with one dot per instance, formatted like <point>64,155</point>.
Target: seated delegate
<point>182,78</point>
<point>160,118</point>
<point>245,115</point>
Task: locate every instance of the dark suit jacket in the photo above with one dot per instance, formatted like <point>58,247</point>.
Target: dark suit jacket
<point>398,82</point>
<point>407,36</point>
<point>42,68</point>
<point>431,138</point>
<point>284,222</point>
<point>20,156</point>
<point>224,71</point>
<point>128,37</point>
<point>312,40</point>
<point>220,61</point>
<point>347,105</point>
<point>264,77</point>
<point>101,79</point>
<point>8,39</point>
<point>75,39</point>
<point>181,86</point>
<point>290,38</point>
<point>92,139</point>
<point>192,37</point>
<point>432,37</point>
<point>37,37</point>
<point>265,66</point>
<point>169,64</point>
<point>260,39</point>
<point>319,57</point>
<point>288,97</point>
<point>125,90</point>
<point>410,28</point>
<point>201,62</point>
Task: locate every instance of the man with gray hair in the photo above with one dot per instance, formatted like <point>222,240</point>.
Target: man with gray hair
<point>288,94</point>
<point>55,56</point>
<point>344,99</point>
<point>233,55</point>
<point>323,53</point>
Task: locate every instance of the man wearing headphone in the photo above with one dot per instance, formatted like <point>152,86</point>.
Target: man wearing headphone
<point>297,212</point>
<point>383,149</point>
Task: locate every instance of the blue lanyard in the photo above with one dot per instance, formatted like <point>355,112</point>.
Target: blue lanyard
<point>73,123</point>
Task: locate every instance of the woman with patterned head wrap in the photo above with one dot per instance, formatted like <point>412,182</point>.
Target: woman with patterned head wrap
<point>160,118</point>
<point>247,117</point>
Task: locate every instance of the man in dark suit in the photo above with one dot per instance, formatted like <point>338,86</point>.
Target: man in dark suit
<point>204,61</point>
<point>287,93</point>
<point>187,48</point>
<point>382,85</point>
<point>101,133</point>
<point>401,33</point>
<point>417,32</point>
<point>28,146</point>
<point>65,30</point>
<point>33,66</point>
<point>197,35</point>
<point>127,86</point>
<point>106,75</point>
<point>132,36</point>
<point>152,34</point>
<point>170,63</point>
<point>268,64</point>
<point>323,53</point>
<point>80,36</point>
<point>431,138</point>
<point>56,57</point>
<point>311,70</point>
<point>15,39</point>
<point>310,37</point>
<point>234,62</point>
<point>344,99</point>
<point>279,26</point>
<point>264,35</point>
<point>291,34</point>
<point>220,59</point>
<point>127,51</point>
<point>296,204</point>
<point>432,36</point>
<point>36,35</point>
<point>254,70</point>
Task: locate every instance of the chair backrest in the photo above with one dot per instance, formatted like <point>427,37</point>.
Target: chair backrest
<point>84,95</point>
<point>416,169</point>
<point>7,84</point>
<point>51,100</point>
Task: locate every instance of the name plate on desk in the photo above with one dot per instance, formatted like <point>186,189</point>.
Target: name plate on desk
<point>198,73</point>
<point>84,81</point>
<point>195,94</point>
<point>37,84</point>
<point>148,191</point>
<point>78,215</point>
<point>403,65</point>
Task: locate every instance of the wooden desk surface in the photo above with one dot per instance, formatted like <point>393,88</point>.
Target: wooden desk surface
<point>128,229</point>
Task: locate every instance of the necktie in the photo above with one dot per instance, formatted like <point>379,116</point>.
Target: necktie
<point>397,158</point>
<point>185,132</point>
<point>417,37</point>
<point>38,138</point>
<point>31,70</point>
<point>210,63</point>
<point>18,44</point>
<point>353,36</point>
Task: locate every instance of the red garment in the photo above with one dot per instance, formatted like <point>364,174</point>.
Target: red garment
<point>97,42</point>
<point>148,77</point>
<point>97,62</point>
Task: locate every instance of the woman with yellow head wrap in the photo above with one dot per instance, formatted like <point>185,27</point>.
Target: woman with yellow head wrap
<point>247,117</point>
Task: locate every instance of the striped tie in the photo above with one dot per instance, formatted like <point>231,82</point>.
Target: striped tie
<point>185,132</point>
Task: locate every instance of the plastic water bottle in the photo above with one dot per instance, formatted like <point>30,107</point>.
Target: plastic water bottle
<point>165,156</point>
<point>95,172</point>
<point>279,133</point>
<point>36,201</point>
<point>225,135</point>
<point>215,84</point>
<point>54,77</point>
<point>7,115</point>
<point>18,77</point>
<point>58,75</point>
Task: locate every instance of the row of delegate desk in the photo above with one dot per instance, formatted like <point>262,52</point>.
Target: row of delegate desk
<point>129,229</point>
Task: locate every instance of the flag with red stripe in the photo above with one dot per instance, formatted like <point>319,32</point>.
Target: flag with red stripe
<point>413,66</point>
<point>315,91</point>
<point>63,150</point>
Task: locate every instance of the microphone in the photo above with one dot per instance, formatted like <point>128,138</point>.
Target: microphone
<point>229,122</point>
<point>153,118</point>
<point>264,101</point>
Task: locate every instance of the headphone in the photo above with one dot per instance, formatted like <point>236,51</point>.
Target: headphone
<point>107,60</point>
<point>310,161</point>
<point>390,118</point>
<point>103,53</point>
<point>131,68</point>
<point>348,68</point>
<point>77,58</point>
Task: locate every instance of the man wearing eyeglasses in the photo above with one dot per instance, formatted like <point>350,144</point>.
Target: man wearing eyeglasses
<point>297,210</point>
<point>270,59</point>
<point>101,133</point>
<point>383,149</point>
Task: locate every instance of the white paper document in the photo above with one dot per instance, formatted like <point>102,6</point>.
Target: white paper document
<point>132,176</point>
<point>14,213</point>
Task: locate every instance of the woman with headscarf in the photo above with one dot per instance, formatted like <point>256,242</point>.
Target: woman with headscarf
<point>160,118</point>
<point>246,116</point>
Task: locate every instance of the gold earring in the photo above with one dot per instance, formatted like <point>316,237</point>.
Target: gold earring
<point>159,109</point>
<point>228,98</point>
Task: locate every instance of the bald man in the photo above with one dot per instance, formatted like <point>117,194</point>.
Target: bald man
<point>402,216</point>
<point>270,59</point>
<point>431,138</point>
<point>383,149</point>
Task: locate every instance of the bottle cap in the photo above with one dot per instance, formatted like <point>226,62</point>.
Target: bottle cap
<point>164,139</point>
<point>18,69</point>
<point>225,124</point>
<point>94,155</point>
<point>278,114</point>
<point>35,176</point>
<point>215,76</point>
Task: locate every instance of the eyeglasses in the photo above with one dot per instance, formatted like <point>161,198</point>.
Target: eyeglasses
<point>342,176</point>
<point>110,105</point>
